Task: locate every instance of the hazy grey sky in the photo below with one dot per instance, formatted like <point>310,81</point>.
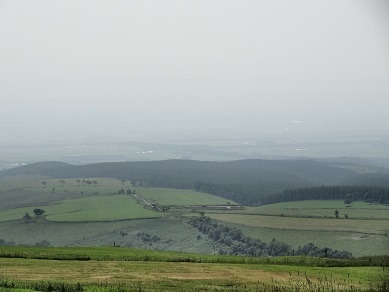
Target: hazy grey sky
<point>249,59</point>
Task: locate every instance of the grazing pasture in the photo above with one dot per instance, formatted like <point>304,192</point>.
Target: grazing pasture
<point>89,211</point>
<point>364,233</point>
<point>34,183</point>
<point>34,191</point>
<point>172,234</point>
<point>153,270</point>
<point>359,244</point>
<point>164,196</point>
<point>282,222</point>
<point>98,208</point>
<point>322,209</point>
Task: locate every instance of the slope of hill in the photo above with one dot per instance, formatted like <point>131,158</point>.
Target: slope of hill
<point>244,181</point>
<point>369,179</point>
<point>234,171</point>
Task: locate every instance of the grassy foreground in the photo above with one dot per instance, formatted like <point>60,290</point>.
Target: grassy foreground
<point>123,269</point>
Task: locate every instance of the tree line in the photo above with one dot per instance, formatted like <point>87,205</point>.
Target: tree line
<point>43,242</point>
<point>368,194</point>
<point>249,194</point>
<point>232,241</point>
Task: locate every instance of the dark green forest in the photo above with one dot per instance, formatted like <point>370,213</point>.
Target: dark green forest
<point>368,194</point>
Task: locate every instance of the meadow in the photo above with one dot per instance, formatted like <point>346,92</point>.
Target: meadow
<point>76,200</point>
<point>169,197</point>
<point>119,269</point>
<point>330,224</point>
<point>34,183</point>
<point>174,234</point>
<point>82,214</point>
<point>321,209</point>
<point>99,208</point>
<point>364,233</point>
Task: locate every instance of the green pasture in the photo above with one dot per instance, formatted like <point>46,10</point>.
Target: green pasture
<point>361,237</point>
<point>82,214</point>
<point>34,183</point>
<point>28,191</point>
<point>98,208</point>
<point>135,254</point>
<point>168,276</point>
<point>21,182</point>
<point>300,222</point>
<point>173,233</point>
<point>293,223</point>
<point>322,208</point>
<point>166,196</point>
<point>359,244</point>
<point>106,269</point>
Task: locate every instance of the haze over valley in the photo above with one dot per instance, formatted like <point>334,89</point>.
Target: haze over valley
<point>194,145</point>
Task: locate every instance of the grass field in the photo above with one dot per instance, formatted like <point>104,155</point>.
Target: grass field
<point>358,244</point>
<point>356,226</point>
<point>108,186</point>
<point>165,196</point>
<point>153,270</point>
<point>98,208</point>
<point>305,221</point>
<point>321,208</point>
<point>78,214</point>
<point>158,276</point>
<point>34,183</point>
<point>174,234</point>
<point>134,254</point>
<point>28,191</point>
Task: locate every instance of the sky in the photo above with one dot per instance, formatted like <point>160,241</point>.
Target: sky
<point>258,67</point>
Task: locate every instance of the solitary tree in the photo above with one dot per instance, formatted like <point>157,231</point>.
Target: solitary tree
<point>44,183</point>
<point>336,213</point>
<point>347,200</point>
<point>39,212</point>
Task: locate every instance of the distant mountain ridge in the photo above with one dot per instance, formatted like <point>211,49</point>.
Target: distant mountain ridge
<point>253,169</point>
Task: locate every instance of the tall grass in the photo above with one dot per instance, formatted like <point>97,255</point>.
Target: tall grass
<point>305,284</point>
<point>131,254</point>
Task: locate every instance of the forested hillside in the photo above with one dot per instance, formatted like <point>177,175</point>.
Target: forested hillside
<point>250,182</point>
<point>369,179</point>
<point>369,194</point>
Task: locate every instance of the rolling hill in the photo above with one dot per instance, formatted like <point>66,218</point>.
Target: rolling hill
<point>244,181</point>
